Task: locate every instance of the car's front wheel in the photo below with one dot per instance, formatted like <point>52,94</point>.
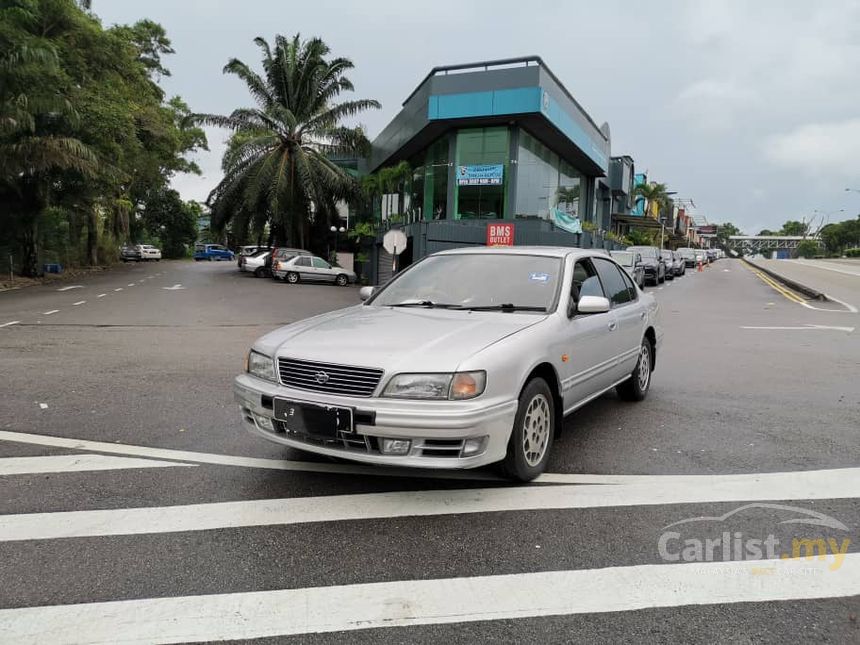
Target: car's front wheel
<point>533,432</point>
<point>292,277</point>
<point>341,280</point>
<point>636,387</point>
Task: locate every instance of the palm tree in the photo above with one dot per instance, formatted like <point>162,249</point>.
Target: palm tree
<point>280,156</point>
<point>654,194</point>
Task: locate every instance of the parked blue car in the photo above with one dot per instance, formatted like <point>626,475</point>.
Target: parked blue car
<point>212,252</point>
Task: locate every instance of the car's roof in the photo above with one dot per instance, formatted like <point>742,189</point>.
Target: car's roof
<point>546,251</point>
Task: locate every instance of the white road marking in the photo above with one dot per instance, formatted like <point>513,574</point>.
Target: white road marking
<point>130,284</point>
<point>49,313</point>
<point>176,287</point>
<point>242,462</point>
<point>836,484</point>
<point>74,286</point>
<point>78,303</point>
<point>405,603</point>
<point>807,328</point>
<point>827,266</point>
<point>78,463</point>
<point>359,469</point>
<point>101,295</point>
<point>118,289</point>
<point>9,324</point>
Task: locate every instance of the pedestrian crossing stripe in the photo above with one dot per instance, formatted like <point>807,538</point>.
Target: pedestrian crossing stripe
<point>810,485</point>
<point>409,603</point>
<point>78,463</point>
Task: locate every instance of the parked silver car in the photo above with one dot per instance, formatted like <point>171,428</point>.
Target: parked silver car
<point>310,268</point>
<point>256,263</point>
<point>468,357</point>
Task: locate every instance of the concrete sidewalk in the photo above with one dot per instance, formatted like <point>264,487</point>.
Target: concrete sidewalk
<point>835,280</point>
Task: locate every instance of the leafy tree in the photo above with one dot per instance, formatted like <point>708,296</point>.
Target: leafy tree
<point>793,227</point>
<point>85,133</point>
<point>725,231</point>
<point>767,233</point>
<point>279,161</point>
<point>808,249</point>
<point>172,221</point>
<point>839,236</point>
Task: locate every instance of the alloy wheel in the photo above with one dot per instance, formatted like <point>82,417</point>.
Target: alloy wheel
<point>536,429</point>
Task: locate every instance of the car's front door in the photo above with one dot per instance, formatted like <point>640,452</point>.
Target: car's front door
<point>628,311</point>
<point>323,270</point>
<point>589,342</point>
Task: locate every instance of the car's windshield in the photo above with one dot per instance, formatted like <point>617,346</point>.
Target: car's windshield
<point>644,251</point>
<point>667,255</point>
<point>624,258</point>
<point>477,280</point>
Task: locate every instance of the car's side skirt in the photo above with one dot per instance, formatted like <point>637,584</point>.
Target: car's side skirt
<point>591,397</point>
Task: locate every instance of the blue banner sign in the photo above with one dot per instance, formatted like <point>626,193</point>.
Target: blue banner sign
<point>480,175</point>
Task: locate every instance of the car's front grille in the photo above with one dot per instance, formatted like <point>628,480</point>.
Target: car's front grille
<point>343,441</point>
<point>346,380</point>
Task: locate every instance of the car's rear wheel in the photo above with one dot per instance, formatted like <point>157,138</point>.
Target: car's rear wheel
<point>341,280</point>
<point>259,272</point>
<point>532,434</point>
<point>292,277</point>
<point>636,387</point>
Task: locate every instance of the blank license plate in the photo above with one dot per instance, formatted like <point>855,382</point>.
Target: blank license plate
<point>312,419</point>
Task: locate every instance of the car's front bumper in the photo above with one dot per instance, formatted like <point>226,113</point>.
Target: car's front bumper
<point>435,428</point>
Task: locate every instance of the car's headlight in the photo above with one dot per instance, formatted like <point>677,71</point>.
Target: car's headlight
<point>457,386</point>
<point>260,366</point>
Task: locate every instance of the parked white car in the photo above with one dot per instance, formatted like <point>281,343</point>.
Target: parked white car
<point>149,252</point>
<point>468,357</point>
<point>255,263</point>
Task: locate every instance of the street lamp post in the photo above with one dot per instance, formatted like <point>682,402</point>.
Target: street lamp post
<point>336,231</point>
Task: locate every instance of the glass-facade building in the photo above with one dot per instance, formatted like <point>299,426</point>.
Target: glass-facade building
<point>502,140</point>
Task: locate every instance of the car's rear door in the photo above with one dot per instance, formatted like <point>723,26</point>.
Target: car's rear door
<point>304,268</point>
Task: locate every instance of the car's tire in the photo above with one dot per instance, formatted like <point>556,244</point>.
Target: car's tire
<point>532,434</point>
<point>636,387</point>
<point>259,272</point>
<point>209,258</point>
<point>292,277</point>
<point>342,280</point>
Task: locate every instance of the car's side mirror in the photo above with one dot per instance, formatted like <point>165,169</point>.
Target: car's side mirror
<point>365,292</point>
<point>593,305</point>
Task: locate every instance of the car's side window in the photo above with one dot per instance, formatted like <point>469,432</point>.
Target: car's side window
<point>585,281</point>
<point>613,282</point>
<point>303,262</point>
<point>319,263</point>
<point>631,288</point>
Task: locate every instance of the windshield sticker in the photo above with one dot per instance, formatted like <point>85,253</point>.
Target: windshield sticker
<point>539,277</point>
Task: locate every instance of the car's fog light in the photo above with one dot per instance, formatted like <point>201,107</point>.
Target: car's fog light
<point>473,446</point>
<point>396,446</point>
<point>264,422</point>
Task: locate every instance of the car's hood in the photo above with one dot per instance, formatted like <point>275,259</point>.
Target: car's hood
<point>394,339</point>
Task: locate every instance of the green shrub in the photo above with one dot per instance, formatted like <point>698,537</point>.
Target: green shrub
<point>852,253</point>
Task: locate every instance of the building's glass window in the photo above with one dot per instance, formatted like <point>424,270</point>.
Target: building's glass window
<point>484,148</point>
<point>426,190</point>
<point>546,184</point>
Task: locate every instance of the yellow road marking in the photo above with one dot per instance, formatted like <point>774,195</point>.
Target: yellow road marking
<point>770,282</point>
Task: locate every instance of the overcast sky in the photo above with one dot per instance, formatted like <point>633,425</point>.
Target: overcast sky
<point>752,109</point>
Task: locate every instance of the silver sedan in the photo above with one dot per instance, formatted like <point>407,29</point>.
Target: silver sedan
<point>466,358</point>
<point>310,268</point>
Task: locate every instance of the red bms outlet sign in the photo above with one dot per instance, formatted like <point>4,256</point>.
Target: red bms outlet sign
<point>500,234</point>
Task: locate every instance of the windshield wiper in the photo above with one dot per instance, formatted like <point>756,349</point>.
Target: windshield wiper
<point>427,304</point>
<point>507,306</point>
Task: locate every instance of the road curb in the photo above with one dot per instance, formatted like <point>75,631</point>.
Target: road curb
<point>809,292</point>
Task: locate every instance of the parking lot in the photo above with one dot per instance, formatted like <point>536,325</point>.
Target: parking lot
<point>127,477</point>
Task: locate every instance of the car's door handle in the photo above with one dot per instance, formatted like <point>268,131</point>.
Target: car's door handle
<point>642,315</point>
<point>613,325</point>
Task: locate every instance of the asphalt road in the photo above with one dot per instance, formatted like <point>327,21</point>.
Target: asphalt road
<point>839,279</point>
<point>234,538</point>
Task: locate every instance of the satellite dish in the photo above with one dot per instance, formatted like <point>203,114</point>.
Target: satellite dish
<point>394,241</point>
